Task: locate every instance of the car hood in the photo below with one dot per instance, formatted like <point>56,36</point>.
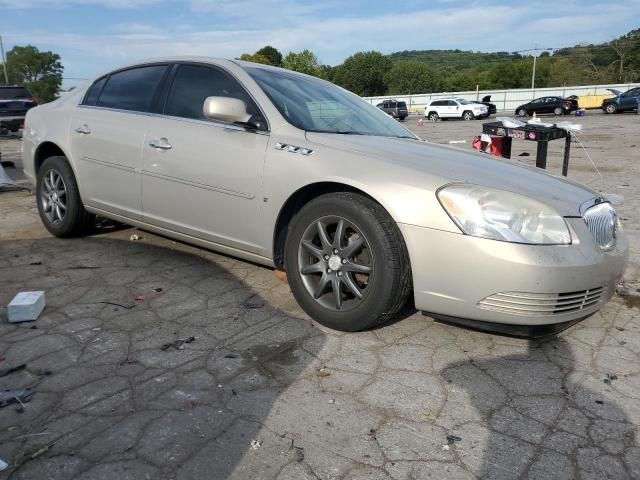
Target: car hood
<point>443,164</point>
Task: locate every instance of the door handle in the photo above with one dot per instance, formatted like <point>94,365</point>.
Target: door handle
<point>162,144</point>
<point>83,130</point>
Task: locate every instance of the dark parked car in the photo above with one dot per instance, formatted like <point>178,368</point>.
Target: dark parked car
<point>394,108</point>
<point>626,101</point>
<point>14,102</point>
<point>555,105</point>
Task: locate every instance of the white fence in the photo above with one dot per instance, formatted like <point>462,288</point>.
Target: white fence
<point>504,100</point>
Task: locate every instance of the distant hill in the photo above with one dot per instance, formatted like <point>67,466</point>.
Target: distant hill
<point>455,59</point>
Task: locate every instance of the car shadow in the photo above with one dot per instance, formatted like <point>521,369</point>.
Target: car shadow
<point>538,413</point>
<point>151,360</point>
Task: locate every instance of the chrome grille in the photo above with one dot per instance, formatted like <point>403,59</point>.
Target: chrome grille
<point>602,221</point>
<point>542,304</point>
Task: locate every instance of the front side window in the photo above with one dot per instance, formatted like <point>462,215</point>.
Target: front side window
<point>191,86</point>
<point>452,103</point>
<point>132,89</point>
<point>315,105</point>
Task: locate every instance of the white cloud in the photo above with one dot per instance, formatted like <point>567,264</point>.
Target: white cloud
<point>41,4</point>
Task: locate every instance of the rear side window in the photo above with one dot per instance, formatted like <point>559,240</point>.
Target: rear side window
<point>94,90</point>
<point>132,89</point>
<point>192,84</point>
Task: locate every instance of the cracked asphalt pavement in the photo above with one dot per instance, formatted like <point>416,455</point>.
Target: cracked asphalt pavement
<point>121,391</point>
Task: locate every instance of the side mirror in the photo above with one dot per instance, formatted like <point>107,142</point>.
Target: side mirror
<point>225,109</point>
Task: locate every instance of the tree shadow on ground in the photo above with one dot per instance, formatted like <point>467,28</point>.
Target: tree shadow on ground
<point>537,415</point>
<point>115,395</point>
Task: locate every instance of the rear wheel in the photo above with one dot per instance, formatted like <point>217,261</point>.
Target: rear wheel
<point>611,108</point>
<point>58,199</point>
<point>523,112</point>
<point>467,115</point>
<point>557,111</point>
<point>433,116</point>
<point>346,262</point>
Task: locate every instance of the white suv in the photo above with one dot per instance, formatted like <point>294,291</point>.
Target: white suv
<point>455,108</point>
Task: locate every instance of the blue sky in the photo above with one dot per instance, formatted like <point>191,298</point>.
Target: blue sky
<point>93,36</point>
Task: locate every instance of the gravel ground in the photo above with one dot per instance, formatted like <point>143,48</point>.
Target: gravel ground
<point>262,392</point>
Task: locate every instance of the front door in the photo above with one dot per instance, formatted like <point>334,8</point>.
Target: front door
<point>202,177</point>
<point>107,135</point>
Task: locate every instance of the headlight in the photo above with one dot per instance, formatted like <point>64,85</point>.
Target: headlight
<point>500,215</point>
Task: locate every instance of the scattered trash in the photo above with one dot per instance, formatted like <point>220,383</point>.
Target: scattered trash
<point>35,263</point>
<point>83,267</point>
<point>281,275</point>
<point>453,142</point>
<point>233,392</point>
<point>157,290</point>
<point>322,373</point>
<point>622,290</point>
<point>299,453</point>
<point>135,237</point>
<point>3,465</point>
<point>20,395</point>
<point>219,385</point>
<point>255,444</point>
<point>178,344</point>
<point>524,154</point>
<point>599,402</point>
<point>253,304</point>
<point>332,401</point>
<point>445,447</point>
<point>140,298</point>
<point>7,371</point>
<point>231,355</point>
<point>128,307</point>
<point>610,378</point>
<point>428,416</point>
<point>451,439</point>
<point>26,306</point>
<point>624,185</point>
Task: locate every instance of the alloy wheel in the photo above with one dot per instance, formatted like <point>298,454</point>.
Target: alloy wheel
<point>53,196</point>
<point>335,263</point>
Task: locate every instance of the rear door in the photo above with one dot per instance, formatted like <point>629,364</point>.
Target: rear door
<point>107,135</point>
<point>202,177</point>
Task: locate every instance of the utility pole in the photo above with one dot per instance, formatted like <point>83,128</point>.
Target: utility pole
<point>4,62</point>
<point>533,74</point>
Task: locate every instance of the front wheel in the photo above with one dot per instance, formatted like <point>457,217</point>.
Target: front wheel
<point>433,116</point>
<point>346,262</point>
<point>58,198</point>
<point>468,115</point>
<point>611,108</point>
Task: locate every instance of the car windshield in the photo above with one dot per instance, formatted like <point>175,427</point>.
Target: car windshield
<point>315,105</point>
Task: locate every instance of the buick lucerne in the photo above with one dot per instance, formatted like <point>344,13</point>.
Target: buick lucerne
<point>293,172</point>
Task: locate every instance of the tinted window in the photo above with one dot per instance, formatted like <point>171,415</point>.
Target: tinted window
<point>7,93</point>
<point>633,92</point>
<point>538,100</point>
<point>94,90</point>
<point>452,103</point>
<point>132,89</point>
<point>402,105</point>
<point>194,83</point>
<point>438,103</point>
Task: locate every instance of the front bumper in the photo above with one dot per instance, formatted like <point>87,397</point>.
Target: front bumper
<point>453,273</point>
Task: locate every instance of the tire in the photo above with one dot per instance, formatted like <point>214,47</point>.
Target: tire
<point>523,112</point>
<point>72,220</point>
<point>557,111</point>
<point>376,244</point>
<point>468,115</point>
<point>611,108</point>
<point>433,116</point>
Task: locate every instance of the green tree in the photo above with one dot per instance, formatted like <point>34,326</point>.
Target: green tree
<point>40,72</point>
<point>255,58</point>
<point>272,54</point>
<point>303,62</point>
<point>364,73</point>
<point>411,77</point>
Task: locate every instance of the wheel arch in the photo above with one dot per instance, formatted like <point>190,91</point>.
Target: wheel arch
<point>299,199</point>
<point>45,150</point>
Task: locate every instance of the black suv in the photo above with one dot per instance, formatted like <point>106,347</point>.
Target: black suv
<point>627,101</point>
<point>14,103</point>
<point>394,108</point>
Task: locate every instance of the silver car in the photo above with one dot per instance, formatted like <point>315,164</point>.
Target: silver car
<point>293,172</point>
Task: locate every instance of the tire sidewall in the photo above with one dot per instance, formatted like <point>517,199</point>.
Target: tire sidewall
<point>364,315</point>
<point>74,203</point>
